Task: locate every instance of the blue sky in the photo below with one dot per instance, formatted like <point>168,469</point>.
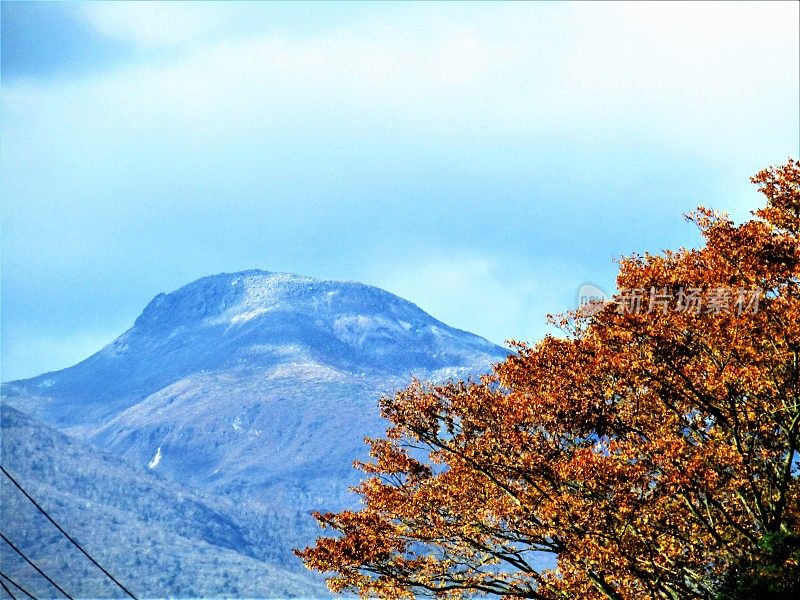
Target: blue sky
<point>481,160</point>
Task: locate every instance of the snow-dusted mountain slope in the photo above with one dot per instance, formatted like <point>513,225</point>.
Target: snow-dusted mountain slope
<point>255,320</point>
<point>160,539</point>
<point>254,384</point>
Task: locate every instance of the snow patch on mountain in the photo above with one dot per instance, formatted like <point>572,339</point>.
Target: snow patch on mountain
<point>245,316</point>
<point>156,459</point>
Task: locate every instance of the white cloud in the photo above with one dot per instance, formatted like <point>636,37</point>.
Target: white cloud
<point>484,295</point>
<point>154,23</point>
<point>679,72</point>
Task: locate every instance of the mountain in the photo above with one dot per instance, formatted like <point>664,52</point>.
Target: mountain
<point>253,385</point>
<point>251,389</point>
<point>255,320</point>
<point>158,538</point>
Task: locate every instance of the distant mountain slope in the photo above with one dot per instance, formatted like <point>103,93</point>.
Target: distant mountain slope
<point>157,537</point>
<point>279,437</point>
<point>253,385</point>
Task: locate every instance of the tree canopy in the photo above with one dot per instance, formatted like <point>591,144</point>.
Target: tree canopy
<point>651,452</point>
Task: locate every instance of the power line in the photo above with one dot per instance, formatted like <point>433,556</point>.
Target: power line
<point>57,526</point>
<point>31,563</point>
<point>8,591</point>
<point>18,586</point>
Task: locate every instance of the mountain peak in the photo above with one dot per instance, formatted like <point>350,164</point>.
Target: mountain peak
<point>232,300</point>
<point>212,295</point>
<point>261,323</point>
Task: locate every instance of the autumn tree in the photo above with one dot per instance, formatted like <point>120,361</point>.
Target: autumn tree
<point>651,452</point>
